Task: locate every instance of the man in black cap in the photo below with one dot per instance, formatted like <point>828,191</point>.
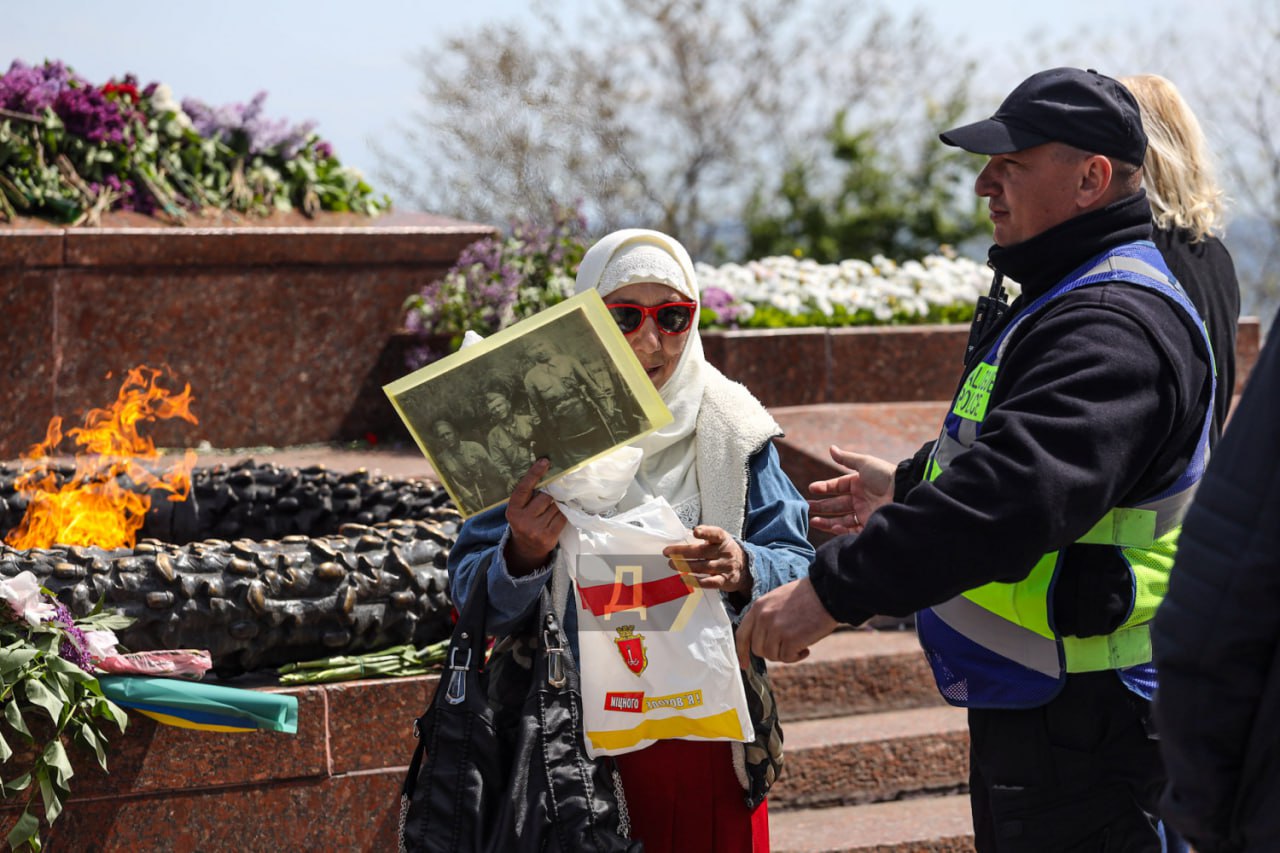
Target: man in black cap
<point>1035,536</point>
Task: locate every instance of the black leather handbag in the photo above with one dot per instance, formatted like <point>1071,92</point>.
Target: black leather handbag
<point>500,763</point>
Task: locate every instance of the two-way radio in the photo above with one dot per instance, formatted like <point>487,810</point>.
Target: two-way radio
<point>990,310</point>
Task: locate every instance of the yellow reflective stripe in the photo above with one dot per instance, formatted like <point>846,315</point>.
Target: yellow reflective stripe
<point>724,726</point>
<point>1126,647</point>
<point>971,402</point>
<point>1024,603</point>
<point>1131,528</point>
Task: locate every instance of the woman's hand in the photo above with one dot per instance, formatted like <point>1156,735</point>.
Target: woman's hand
<point>717,561</point>
<point>535,523</point>
<point>846,502</point>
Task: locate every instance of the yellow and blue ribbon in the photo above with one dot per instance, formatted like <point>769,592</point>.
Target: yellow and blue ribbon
<point>208,707</point>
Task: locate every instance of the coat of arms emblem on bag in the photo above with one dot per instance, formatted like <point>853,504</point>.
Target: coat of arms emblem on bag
<point>631,647</point>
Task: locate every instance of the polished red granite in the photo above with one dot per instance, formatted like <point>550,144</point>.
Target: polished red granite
<point>334,784</point>
<point>356,812</point>
<point>371,722</point>
<point>898,363</point>
<point>782,367</point>
<point>279,331</point>
<point>890,431</point>
<point>29,372</point>
<point>1248,343</point>
<point>31,247</point>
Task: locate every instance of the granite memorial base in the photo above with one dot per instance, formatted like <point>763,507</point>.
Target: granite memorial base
<point>334,785</point>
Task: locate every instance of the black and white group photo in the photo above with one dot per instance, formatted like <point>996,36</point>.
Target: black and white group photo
<point>556,391</point>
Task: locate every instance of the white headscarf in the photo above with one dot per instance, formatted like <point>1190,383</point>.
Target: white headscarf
<point>636,255</point>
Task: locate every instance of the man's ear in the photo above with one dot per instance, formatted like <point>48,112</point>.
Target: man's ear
<point>1094,182</point>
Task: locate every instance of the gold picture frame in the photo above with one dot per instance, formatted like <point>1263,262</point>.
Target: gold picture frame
<point>563,384</point>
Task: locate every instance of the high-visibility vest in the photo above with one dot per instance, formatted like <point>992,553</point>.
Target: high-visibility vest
<point>996,646</point>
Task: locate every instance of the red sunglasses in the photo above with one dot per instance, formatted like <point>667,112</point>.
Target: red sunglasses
<point>672,318</point>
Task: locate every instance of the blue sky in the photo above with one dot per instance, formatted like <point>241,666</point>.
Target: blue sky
<point>348,66</point>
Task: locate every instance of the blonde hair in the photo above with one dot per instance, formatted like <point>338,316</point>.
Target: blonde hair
<point>1178,169</point>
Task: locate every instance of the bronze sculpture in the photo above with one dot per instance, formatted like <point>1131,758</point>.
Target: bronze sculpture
<point>265,565</point>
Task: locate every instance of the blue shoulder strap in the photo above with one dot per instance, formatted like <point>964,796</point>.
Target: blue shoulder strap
<point>1138,263</point>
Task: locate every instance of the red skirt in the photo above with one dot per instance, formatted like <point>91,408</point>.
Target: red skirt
<point>683,795</point>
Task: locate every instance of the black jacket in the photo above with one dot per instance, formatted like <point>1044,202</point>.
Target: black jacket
<point>1098,402</point>
<point>1216,638</point>
<point>1206,272</point>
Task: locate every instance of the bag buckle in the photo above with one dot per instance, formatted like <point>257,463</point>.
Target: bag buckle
<point>457,690</point>
<point>555,651</point>
<point>555,660</point>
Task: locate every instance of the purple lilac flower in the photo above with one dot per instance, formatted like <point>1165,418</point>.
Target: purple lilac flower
<point>31,90</point>
<point>201,116</point>
<point>74,646</point>
<point>324,151</point>
<point>19,88</point>
<point>129,196</point>
<point>495,281</point>
<point>499,290</point>
<point>413,319</point>
<point>722,303</point>
<point>246,121</point>
<point>485,253</point>
<point>87,112</point>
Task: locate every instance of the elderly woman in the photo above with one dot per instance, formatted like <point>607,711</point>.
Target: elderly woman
<point>717,467</point>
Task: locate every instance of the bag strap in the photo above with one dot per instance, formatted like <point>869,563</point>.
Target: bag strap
<point>588,779</point>
<point>467,646</point>
<point>466,651</point>
<point>559,586</point>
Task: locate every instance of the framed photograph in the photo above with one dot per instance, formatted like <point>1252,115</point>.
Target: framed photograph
<point>562,384</point>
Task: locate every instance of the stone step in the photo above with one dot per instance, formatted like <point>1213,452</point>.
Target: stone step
<point>922,825</point>
<point>852,672</point>
<point>875,757</point>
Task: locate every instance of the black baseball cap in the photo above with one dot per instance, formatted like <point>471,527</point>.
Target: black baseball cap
<point>1084,109</point>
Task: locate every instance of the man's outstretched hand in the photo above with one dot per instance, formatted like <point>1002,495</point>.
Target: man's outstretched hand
<point>843,504</point>
<point>781,625</point>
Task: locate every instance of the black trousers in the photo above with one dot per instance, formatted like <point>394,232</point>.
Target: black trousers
<point>1081,773</point>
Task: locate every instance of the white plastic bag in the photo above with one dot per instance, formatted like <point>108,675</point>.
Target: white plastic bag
<point>469,338</point>
<point>598,486</point>
<point>656,651</point>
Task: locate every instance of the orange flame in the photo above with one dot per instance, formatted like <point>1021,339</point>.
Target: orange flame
<point>94,506</point>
